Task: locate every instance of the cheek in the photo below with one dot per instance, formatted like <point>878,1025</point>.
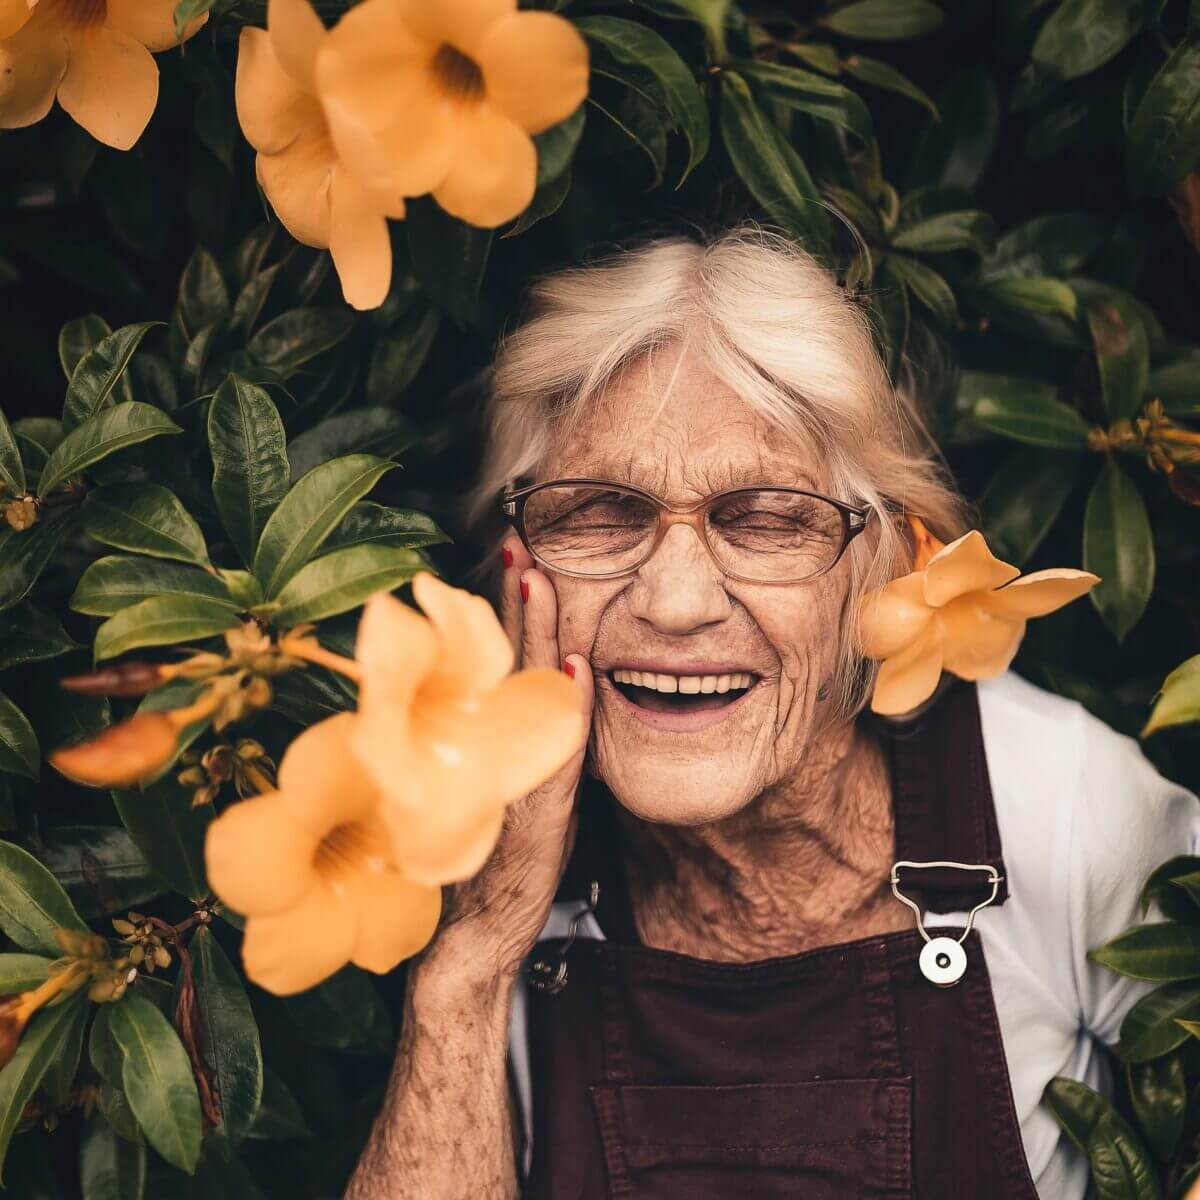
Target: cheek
<point>805,627</point>
<point>581,604</point>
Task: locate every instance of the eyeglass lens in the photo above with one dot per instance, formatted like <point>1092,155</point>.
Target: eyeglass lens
<point>763,534</point>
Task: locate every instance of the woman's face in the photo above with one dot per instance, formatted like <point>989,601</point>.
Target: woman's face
<point>679,616</point>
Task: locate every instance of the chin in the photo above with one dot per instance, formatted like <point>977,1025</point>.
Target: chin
<point>682,792</point>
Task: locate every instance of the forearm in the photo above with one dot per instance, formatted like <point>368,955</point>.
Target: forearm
<point>445,1130</point>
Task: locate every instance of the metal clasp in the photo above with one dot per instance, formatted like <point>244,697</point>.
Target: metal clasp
<point>550,975</point>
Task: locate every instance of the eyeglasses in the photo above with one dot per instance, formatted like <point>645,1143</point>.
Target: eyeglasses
<point>594,529</point>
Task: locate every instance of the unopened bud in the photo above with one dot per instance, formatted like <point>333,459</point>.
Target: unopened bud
<point>22,514</point>
<point>14,1016</point>
<point>123,679</point>
<point>257,692</point>
<point>123,754</point>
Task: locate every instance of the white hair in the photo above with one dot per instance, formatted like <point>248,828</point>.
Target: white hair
<point>772,323</point>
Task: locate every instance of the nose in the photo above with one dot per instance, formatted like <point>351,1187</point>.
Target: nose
<point>679,588</point>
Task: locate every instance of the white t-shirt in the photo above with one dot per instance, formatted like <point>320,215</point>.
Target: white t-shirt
<point>1084,818</point>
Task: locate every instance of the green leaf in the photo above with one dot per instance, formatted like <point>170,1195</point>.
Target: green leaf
<point>926,285</point>
<point>1150,1028</point>
<point>309,513</point>
<point>169,832</point>
<point>1177,702</point>
<point>712,14</point>
<point>556,147</point>
<point>32,902</point>
<point>1158,889</point>
<point>547,200</point>
<point>1164,952</point>
<point>110,430</point>
<point>636,56</point>
<point>157,1079</point>
<point>1158,1090</point>
<point>1123,355</point>
<point>878,74</point>
<point>58,1080</point>
<point>231,1045</point>
<point>250,462</point>
<point>954,152</point>
<point>101,867</point>
<point>1035,418</point>
<point>103,1052</point>
<point>162,621</point>
<point>12,469</point>
<point>1177,385</point>
<point>811,94</point>
<point>117,581</point>
<point>1081,35</point>
<point>884,20</point>
<point>189,10</point>
<point>43,1041</point>
<point>110,1167</point>
<point>1028,294</point>
<point>40,435</point>
<point>307,697</point>
<point>19,750</point>
<point>1163,140</point>
<point>448,256</point>
<point>380,431</point>
<point>23,556</point>
<point>1118,545</point>
<point>346,1012</point>
<point>279,1116</point>
<point>242,587</point>
<point>966,230</point>
<point>77,337</point>
<point>30,634</point>
<point>112,1105</point>
<point>338,582</point>
<point>202,303</point>
<point>1053,244</point>
<point>1024,498</point>
<point>642,123</point>
<point>22,972</point>
<point>144,518</point>
<point>293,338</point>
<point>774,174</point>
<point>383,526</point>
<point>399,354</point>
<point>98,373</point>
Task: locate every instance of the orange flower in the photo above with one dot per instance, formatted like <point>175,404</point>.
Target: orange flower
<point>962,611</point>
<point>319,201</point>
<point>94,55</point>
<point>442,97</point>
<point>447,734</point>
<point>310,867</point>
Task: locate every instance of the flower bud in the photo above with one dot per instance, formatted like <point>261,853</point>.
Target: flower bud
<point>122,755</point>
<point>22,514</point>
<point>123,679</point>
<point>15,1012</point>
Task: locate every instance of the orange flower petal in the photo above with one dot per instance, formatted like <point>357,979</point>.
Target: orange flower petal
<point>1040,593</point>
<point>296,34</point>
<point>891,617</point>
<point>32,62</point>
<point>462,23</point>
<point>151,22</point>
<point>909,678</point>
<point>975,643</point>
<point>296,949</point>
<point>396,918</point>
<point>14,14</point>
<point>359,241</point>
<point>121,755</point>
<point>396,648</point>
<point>272,110</point>
<point>259,860</point>
<point>535,68</point>
<point>296,182</point>
<point>110,86</point>
<point>475,653</point>
<point>965,565</point>
<point>494,172</point>
<point>322,779</point>
<point>449,839</point>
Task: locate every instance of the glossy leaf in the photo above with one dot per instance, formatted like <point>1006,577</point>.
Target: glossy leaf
<point>162,621</point>
<point>712,14</point>
<point>12,469</point>
<point>1164,136</point>
<point>1054,244</point>
<point>110,430</point>
<point>884,20</point>
<point>117,581</point>
<point>169,831</point>
<point>1177,385</point>
<point>57,1081</point>
<point>24,555</point>
<point>77,337</point>
<point>345,1012</point>
<point>1031,294</point>
<point>32,902</point>
<point>22,972</point>
<point>1178,701</point>
<point>19,750</point>
<point>448,256</point>
<point>811,94</point>
<point>1163,953</point>
<point>955,151</point>
<point>95,378</point>
<point>967,230</point>
<point>101,868</point>
<point>202,302</point>
<point>338,582</point>
<point>399,354</point>
<point>110,1167</point>
<point>1158,890</point>
<point>279,1116</point>
<point>114,1108</point>
<point>879,74</point>
<point>1158,1090</point>
<point>1123,355</point>
<point>31,634</point>
<point>1024,498</point>
<point>1118,545</point>
<point>380,431</point>
<point>144,518</point>
<point>926,285</point>
<point>250,461</point>
<point>296,337</point>
<point>1151,1029</point>
<point>1081,35</point>
<point>157,1079</point>
<point>380,525</point>
<point>1036,417</point>
<point>309,513</point>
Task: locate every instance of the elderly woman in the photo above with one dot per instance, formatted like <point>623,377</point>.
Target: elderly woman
<point>701,963</point>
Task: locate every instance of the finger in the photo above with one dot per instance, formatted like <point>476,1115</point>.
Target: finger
<point>559,790</point>
<point>539,621</point>
<point>516,560</point>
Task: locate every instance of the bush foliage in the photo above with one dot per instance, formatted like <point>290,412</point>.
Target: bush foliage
<point>198,428</point>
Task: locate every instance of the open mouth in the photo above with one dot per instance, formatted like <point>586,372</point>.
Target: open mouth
<point>661,693</point>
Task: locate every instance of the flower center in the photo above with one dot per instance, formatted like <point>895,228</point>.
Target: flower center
<point>78,14</point>
<point>345,848</point>
<point>457,74</point>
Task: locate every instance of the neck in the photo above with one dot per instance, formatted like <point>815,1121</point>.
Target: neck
<point>804,865</point>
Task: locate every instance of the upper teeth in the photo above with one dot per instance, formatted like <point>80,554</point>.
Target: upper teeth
<point>683,683</point>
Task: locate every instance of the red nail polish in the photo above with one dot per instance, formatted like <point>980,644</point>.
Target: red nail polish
<point>524,591</point>
<point>507,555</point>
<point>569,668</point>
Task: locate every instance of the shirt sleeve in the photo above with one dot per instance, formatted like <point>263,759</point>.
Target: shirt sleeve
<point>1128,820</point>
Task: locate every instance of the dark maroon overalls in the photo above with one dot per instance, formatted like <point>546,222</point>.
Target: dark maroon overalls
<point>839,1073</point>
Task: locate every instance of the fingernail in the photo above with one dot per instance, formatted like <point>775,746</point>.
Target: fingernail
<point>524,591</point>
<point>507,555</point>
<point>569,668</point>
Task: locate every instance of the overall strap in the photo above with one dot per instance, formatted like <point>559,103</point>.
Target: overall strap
<point>942,801</point>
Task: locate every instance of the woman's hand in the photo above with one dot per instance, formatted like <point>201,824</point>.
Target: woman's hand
<point>495,918</point>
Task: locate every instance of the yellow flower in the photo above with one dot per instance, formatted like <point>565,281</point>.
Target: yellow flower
<point>962,611</point>
<point>65,978</point>
<point>94,55</point>
<point>310,867</point>
<point>442,97</point>
<point>320,202</point>
<point>448,735</point>
<point>121,755</point>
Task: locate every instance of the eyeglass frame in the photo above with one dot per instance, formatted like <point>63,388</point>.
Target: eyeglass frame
<point>512,505</point>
